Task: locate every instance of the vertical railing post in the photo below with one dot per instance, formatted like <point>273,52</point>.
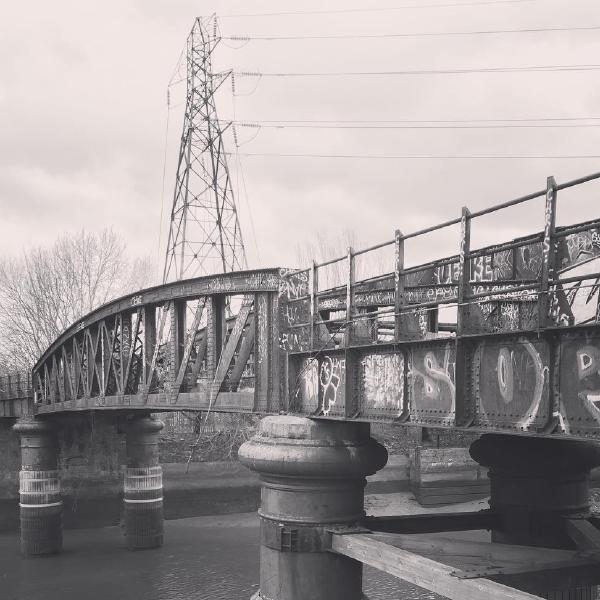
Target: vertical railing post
<point>462,401</point>
<point>398,283</point>
<point>314,309</point>
<point>548,252</point>
<point>350,277</point>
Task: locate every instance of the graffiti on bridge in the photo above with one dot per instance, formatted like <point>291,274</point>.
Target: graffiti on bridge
<point>382,384</point>
<point>579,405</point>
<point>510,382</point>
<point>431,383</point>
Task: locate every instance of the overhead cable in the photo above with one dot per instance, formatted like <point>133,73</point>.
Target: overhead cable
<point>252,38</point>
<point>420,156</point>
<point>528,69</point>
<point>261,125</point>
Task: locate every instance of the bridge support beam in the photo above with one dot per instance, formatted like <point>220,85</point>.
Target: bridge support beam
<point>39,488</point>
<point>143,490</point>
<point>313,478</point>
<point>536,485</point>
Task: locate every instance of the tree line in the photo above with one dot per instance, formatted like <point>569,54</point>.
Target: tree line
<point>45,289</point>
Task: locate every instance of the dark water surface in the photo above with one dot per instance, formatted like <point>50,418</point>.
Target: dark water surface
<point>204,558</point>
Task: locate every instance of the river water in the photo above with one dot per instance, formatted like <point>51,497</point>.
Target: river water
<point>204,558</point>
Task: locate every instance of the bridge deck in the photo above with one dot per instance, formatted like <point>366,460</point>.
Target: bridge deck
<point>499,338</point>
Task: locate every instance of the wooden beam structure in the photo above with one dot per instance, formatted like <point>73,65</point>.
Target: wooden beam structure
<point>418,570</point>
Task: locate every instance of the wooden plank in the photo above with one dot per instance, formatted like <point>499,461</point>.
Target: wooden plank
<point>584,534</point>
<point>421,571</point>
<point>524,567</point>
<point>454,551</point>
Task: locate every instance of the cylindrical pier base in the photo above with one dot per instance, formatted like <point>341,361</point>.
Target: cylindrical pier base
<point>313,478</point>
<point>143,490</point>
<point>40,502</point>
<point>536,483</point>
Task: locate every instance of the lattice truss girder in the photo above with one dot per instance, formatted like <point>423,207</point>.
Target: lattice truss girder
<point>164,349</point>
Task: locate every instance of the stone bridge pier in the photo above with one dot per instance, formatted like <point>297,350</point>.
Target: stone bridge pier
<point>143,488</point>
<point>80,451</point>
<point>40,502</point>
<point>313,479</point>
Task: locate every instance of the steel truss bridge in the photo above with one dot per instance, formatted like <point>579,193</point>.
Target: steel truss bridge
<point>503,338</point>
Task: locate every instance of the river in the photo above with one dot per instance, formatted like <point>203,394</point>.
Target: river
<point>204,558</point>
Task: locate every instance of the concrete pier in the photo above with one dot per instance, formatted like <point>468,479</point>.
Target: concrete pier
<point>313,478</point>
<point>143,488</point>
<point>535,485</point>
<point>40,503</point>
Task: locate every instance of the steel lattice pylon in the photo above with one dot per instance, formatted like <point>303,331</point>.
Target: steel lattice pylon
<point>204,235</point>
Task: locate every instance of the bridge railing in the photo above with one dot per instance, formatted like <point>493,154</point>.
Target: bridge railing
<point>15,394</point>
<point>16,384</point>
<point>517,349</point>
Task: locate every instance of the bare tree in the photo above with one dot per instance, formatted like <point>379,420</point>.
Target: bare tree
<point>45,290</point>
<point>321,248</point>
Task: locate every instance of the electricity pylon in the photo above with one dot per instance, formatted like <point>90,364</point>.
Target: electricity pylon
<point>204,236</point>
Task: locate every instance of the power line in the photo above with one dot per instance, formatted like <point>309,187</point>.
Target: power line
<point>262,125</point>
<point>378,9</point>
<point>423,121</point>
<point>536,68</point>
<point>252,38</point>
<point>417,156</point>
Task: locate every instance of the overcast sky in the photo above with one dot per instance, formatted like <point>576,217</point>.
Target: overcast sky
<point>83,116</point>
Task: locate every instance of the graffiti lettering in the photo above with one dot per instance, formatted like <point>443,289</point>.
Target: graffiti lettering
<point>447,274</point>
<point>330,376</point>
<point>294,341</point>
<point>431,294</point>
<point>294,285</point>
<point>431,382</point>
<point>481,269</point>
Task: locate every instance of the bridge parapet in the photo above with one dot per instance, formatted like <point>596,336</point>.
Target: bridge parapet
<point>503,337</point>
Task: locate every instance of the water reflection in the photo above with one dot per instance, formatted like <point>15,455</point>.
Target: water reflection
<point>205,558</point>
